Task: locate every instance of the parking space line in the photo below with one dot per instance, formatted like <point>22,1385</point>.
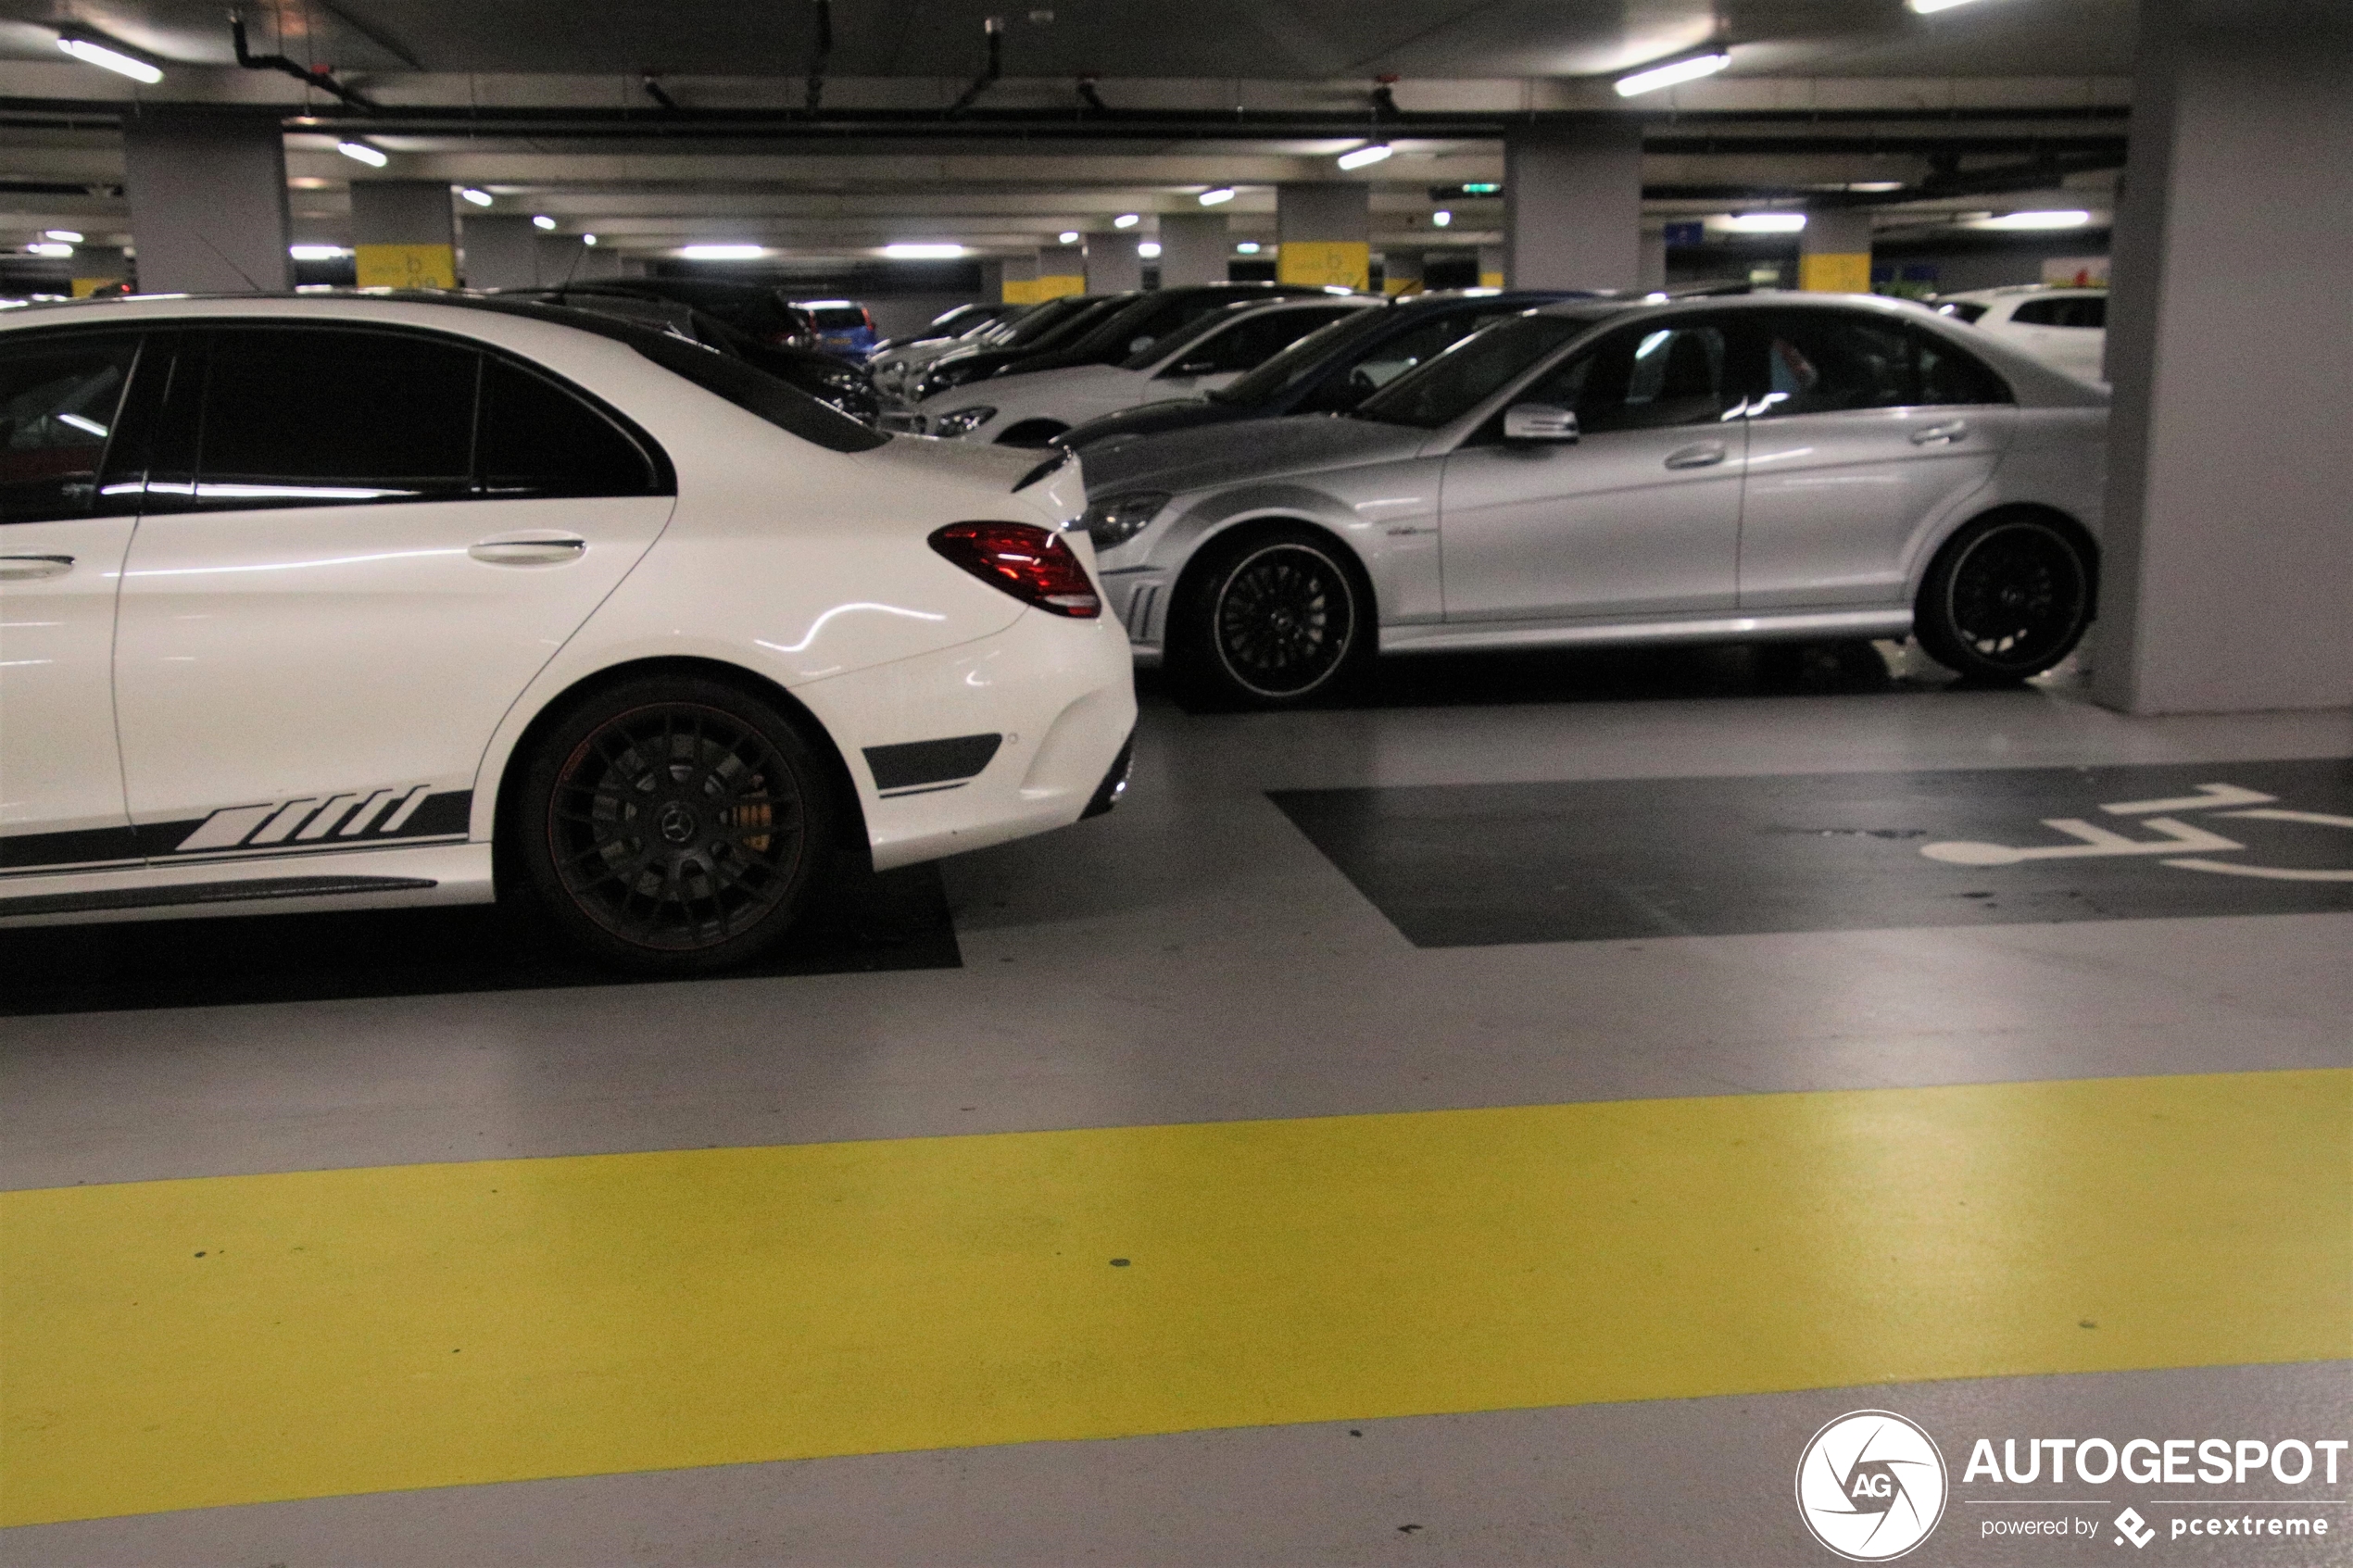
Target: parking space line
<point>241,1339</point>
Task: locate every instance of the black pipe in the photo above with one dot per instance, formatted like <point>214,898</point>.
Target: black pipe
<point>659,94</point>
<point>318,78</point>
<point>995,68</point>
<point>825,53</point>
<point>1093,99</point>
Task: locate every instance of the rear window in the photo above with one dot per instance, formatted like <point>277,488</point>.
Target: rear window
<point>2063,311</point>
<point>838,317</point>
<point>758,393</point>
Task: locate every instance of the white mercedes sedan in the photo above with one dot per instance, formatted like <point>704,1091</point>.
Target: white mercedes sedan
<point>325,603</point>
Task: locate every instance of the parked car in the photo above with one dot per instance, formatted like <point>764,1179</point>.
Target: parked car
<point>842,326</point>
<point>900,375</point>
<point>1328,371</point>
<point>1779,466</point>
<point>2066,327</point>
<point>952,323</point>
<point>822,376</point>
<point>1103,337</point>
<point>329,603</point>
<point>1032,410</point>
<point>759,310</point>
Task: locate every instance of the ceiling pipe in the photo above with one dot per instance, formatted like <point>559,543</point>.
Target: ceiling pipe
<point>1092,99</point>
<point>989,73</point>
<point>823,54</point>
<point>321,79</point>
<point>657,93</point>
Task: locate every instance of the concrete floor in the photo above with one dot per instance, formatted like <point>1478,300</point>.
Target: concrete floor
<point>1194,957</point>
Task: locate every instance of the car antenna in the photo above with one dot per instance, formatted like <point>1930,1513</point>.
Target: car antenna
<point>576,258</point>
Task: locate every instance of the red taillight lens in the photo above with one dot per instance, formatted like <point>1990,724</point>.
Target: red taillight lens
<point>1026,561</point>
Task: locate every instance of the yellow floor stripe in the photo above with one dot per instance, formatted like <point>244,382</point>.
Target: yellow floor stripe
<point>171,1344</point>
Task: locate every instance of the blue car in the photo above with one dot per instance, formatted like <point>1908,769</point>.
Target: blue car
<point>1329,370</point>
<point>841,326</point>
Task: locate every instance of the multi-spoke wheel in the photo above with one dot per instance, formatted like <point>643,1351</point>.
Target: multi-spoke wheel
<point>2008,597</point>
<point>674,824</point>
<point>1273,619</point>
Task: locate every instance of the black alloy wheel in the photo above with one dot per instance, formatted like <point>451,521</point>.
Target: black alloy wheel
<point>2008,597</point>
<point>1281,621</point>
<point>676,825</point>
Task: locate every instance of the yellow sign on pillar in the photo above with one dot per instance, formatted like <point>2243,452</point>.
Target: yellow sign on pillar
<point>1346,264</point>
<point>1835,273</point>
<point>407,267</point>
<point>1055,285</point>
<point>84,287</point>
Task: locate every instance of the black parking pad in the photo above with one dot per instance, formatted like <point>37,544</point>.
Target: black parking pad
<point>896,920</point>
<point>1472,865</point>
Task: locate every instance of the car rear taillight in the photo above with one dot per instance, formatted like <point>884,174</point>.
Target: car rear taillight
<point>1029,562</point>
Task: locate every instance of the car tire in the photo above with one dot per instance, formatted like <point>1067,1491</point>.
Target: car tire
<point>674,824</point>
<point>2009,596</point>
<point>1277,617</point>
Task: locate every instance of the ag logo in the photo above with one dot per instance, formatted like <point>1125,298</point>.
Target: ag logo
<point>1871,1485</point>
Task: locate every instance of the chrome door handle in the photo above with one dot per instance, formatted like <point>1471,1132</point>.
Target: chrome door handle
<point>529,552</point>
<point>1956,430</point>
<point>24,569</point>
<point>1707,454</point>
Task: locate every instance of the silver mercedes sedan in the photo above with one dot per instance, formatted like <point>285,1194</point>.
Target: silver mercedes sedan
<point>1776,466</point>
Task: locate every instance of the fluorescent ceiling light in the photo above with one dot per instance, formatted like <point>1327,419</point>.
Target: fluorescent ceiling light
<point>1217,197</point>
<point>923,252</point>
<point>1068,236</point>
<point>588,238</point>
<point>361,152</point>
<point>720,253</point>
<point>1766,223</point>
<point>1926,7</point>
<point>541,220</point>
<point>1359,156</point>
<point>317,253</point>
<point>1688,69</point>
<point>1875,186</point>
<point>2073,218</point>
<point>1148,249</point>
<point>45,247</point>
<point>480,198</point>
<point>70,236</point>
<point>1248,248</point>
<point>1127,220</point>
<point>1441,217</point>
<point>115,61</point>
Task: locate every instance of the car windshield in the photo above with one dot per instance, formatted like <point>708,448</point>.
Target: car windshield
<point>1961,309</point>
<point>1300,360</point>
<point>1175,342</point>
<point>1468,373</point>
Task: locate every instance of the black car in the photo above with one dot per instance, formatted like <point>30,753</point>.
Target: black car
<point>1328,371</point>
<point>825,377</point>
<point>955,322</point>
<point>1105,336</point>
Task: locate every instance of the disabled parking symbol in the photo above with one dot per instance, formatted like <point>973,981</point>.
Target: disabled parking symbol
<point>2179,845</point>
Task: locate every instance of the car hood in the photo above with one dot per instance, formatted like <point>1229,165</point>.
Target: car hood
<point>1026,385</point>
<point>1204,457</point>
<point>1153,418</point>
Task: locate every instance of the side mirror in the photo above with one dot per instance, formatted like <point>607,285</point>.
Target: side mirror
<point>1538,421</point>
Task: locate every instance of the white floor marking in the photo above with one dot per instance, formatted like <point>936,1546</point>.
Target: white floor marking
<point>2099,841</point>
<point>2209,796</point>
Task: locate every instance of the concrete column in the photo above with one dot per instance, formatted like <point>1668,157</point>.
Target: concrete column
<point>563,260</point>
<point>1062,270</point>
<point>1326,233</point>
<point>992,280</point>
<point>1401,272</point>
<point>98,267</point>
<point>2228,559</point>
<point>1834,251</point>
<point>1113,265</point>
<point>403,235</point>
<point>501,252</point>
<point>208,196</point>
<point>1016,280</point>
<point>1653,259</point>
<point>1193,249</point>
<point>1573,206</point>
<point>1493,260</point>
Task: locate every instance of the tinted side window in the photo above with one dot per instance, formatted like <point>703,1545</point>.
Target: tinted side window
<point>1247,345</point>
<point>2063,311</point>
<point>60,398</point>
<point>311,416</point>
<point>1648,377</point>
<point>1948,374</point>
<point>1393,357</point>
<point>1820,362</point>
<point>536,439</point>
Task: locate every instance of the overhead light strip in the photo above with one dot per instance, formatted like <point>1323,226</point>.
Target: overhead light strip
<point>1689,69</point>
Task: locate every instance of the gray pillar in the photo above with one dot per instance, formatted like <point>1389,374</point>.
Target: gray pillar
<point>1653,259</point>
<point>207,198</point>
<point>1326,233</point>
<point>403,235</point>
<point>1062,270</point>
<point>1017,280</point>
<point>501,253</point>
<point>1834,251</point>
<point>992,280</point>
<point>1401,272</point>
<point>1193,249</point>
<point>1491,262</point>
<point>96,266</point>
<point>1112,265</point>
<point>2228,580</point>
<point>1573,206</point>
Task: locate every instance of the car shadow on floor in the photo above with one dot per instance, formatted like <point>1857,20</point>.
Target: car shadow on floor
<point>858,923</point>
<point>1849,667</point>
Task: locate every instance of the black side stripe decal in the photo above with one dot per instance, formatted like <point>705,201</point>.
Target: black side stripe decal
<point>917,763</point>
<point>208,892</point>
